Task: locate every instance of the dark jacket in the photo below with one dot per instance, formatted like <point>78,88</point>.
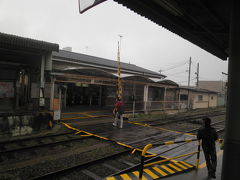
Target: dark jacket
<point>119,107</point>
<point>208,135</point>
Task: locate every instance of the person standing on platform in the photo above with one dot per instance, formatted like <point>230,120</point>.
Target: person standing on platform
<point>118,112</point>
<point>208,135</point>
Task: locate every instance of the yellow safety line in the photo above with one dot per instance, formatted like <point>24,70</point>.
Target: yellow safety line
<point>186,164</point>
<point>160,171</point>
<point>167,169</point>
<point>84,117</point>
<point>150,173</point>
<point>126,177</point>
<point>188,140</point>
<point>147,125</point>
<point>136,173</point>
<point>168,142</point>
<point>73,118</point>
<point>180,165</point>
<point>110,178</point>
<point>174,167</point>
<point>83,112</point>
<point>203,165</point>
<point>88,115</point>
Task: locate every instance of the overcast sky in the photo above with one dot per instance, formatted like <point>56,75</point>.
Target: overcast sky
<point>95,32</point>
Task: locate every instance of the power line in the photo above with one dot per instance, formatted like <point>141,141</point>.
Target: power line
<point>174,66</point>
<point>177,73</point>
<point>185,81</point>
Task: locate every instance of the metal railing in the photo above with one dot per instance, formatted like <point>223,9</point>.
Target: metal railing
<point>148,146</point>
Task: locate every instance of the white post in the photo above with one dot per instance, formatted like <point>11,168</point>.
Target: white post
<point>134,97</point>
<point>145,97</point>
<point>179,100</point>
<point>164,98</point>
<point>65,97</point>
<point>41,92</point>
<point>100,96</point>
<point>52,94</point>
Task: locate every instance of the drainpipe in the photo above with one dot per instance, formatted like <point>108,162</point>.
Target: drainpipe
<point>145,98</point>
<point>41,93</point>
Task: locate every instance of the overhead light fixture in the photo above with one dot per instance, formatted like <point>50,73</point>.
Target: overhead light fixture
<point>170,6</point>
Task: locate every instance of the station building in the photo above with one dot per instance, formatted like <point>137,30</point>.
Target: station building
<point>88,81</point>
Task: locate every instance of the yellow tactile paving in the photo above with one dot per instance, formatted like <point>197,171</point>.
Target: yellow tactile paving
<point>180,165</point>
<point>160,171</point>
<point>125,177</point>
<point>167,169</point>
<point>110,178</point>
<point>174,167</point>
<point>150,173</point>
<point>186,164</point>
<point>155,172</point>
<point>136,173</point>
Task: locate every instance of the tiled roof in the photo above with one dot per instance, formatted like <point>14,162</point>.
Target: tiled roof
<point>83,58</point>
<point>197,89</point>
<point>13,41</point>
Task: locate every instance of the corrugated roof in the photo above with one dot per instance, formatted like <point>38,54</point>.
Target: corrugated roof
<point>83,58</point>
<point>218,86</point>
<point>197,89</point>
<point>167,81</point>
<point>13,41</point>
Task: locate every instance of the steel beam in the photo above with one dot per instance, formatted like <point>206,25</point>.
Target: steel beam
<point>231,156</point>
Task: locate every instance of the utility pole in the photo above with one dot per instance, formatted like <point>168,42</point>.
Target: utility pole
<point>197,74</point>
<point>189,76</point>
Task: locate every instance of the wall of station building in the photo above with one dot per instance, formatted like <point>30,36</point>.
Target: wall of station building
<point>17,88</point>
<point>20,97</point>
<point>104,96</point>
<point>92,95</point>
<point>199,99</point>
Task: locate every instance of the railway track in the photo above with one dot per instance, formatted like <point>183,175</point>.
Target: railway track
<point>107,166</point>
<point>33,143</point>
<point>184,118</point>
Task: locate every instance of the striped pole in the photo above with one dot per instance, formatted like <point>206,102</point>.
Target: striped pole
<point>119,73</point>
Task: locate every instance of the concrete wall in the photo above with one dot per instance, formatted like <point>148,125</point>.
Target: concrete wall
<point>208,100</point>
<point>24,123</point>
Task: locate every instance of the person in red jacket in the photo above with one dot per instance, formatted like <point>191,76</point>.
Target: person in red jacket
<point>118,112</point>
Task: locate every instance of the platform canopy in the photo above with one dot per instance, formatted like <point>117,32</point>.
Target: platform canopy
<point>202,22</point>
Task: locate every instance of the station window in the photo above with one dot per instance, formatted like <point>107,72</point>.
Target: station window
<point>211,97</point>
<point>200,97</point>
<point>183,97</point>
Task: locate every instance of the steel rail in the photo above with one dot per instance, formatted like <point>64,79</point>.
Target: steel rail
<point>42,145</point>
<point>50,175</point>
